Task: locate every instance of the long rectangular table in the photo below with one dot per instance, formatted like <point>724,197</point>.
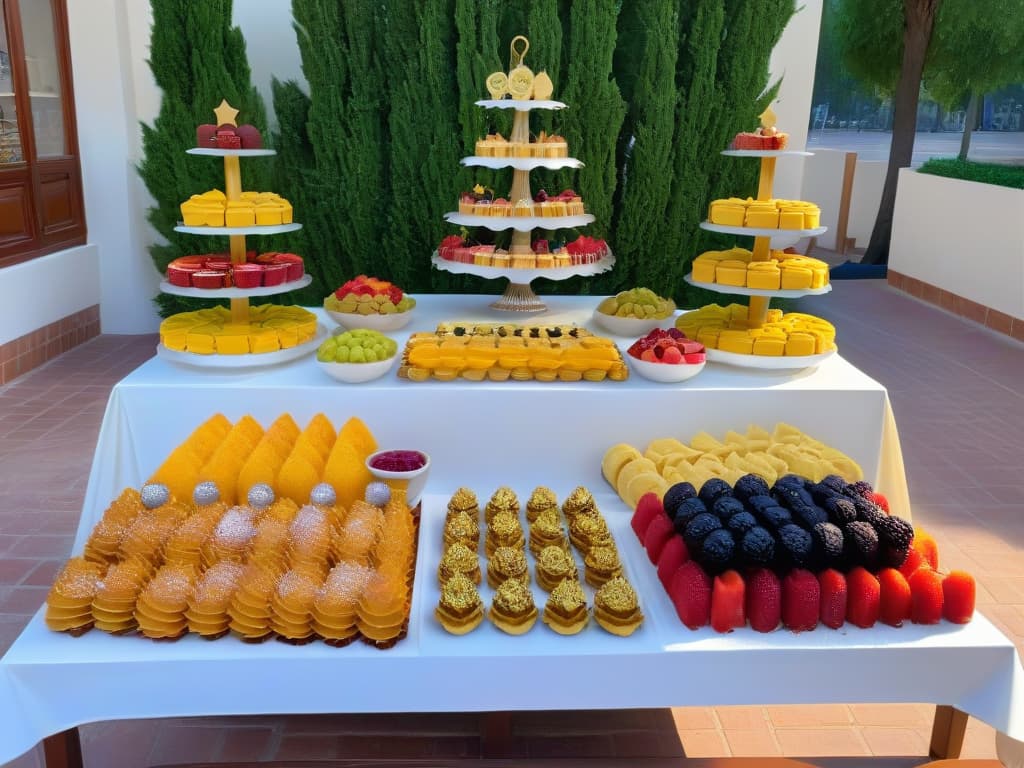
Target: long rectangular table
<point>483,435</point>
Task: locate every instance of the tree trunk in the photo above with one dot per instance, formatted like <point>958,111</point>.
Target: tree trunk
<point>970,120</point>
<point>937,125</point>
<point>919,20</point>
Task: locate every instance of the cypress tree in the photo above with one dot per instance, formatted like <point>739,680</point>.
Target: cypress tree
<point>197,59</point>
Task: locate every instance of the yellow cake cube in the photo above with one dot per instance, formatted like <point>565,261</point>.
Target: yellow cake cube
<point>233,343</point>
<point>762,215</point>
<point>739,342</point>
<point>769,346</point>
<point>708,337</point>
<point>727,212</point>
<point>764,275</point>
<point>812,217</point>
<point>176,339</point>
<point>800,344</point>
<point>214,195</point>
<point>704,269</point>
<point>731,273</point>
<point>201,342</point>
<point>791,219</point>
<point>239,215</point>
<point>213,217</point>
<point>286,211</point>
<point>795,277</point>
<point>263,341</point>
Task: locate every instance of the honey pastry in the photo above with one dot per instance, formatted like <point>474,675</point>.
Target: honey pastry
<point>546,531</point>
<point>464,500</point>
<point>600,565</point>
<point>503,500</point>
<point>231,538</point>
<point>207,612</point>
<point>113,607</point>
<point>383,611</point>
<point>504,530</point>
<point>616,608</point>
<point>460,609</point>
<point>461,528</point>
<point>336,604</point>
<point>566,608</point>
<point>250,605</point>
<point>580,501</point>
<point>507,563</point>
<point>69,602</point>
<point>541,500</point>
<point>554,564</point>
<point>512,609</point>
<point>459,559</point>
<point>292,604</point>
<point>160,609</point>
<point>105,540</point>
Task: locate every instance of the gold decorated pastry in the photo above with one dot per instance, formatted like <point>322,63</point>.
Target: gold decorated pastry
<point>309,537</point>
<point>554,564</point>
<point>459,559</point>
<point>105,540</point>
<point>160,609</point>
<point>546,531</point>
<point>541,500</point>
<point>383,611</point>
<point>512,609</point>
<point>69,602</point>
<point>497,85</point>
<point>503,500</point>
<point>589,531</point>
<point>464,500</point>
<point>231,537</point>
<point>184,546</point>
<point>616,608</point>
<point>580,501</point>
<point>460,527</point>
<point>566,609</point>
<point>507,563</point>
<point>180,470</point>
<point>270,544</point>
<point>600,565</point>
<point>207,612</point>
<point>460,609</point>
<point>113,607</point>
<point>292,604</point>
<point>250,605</point>
<point>520,82</point>
<point>504,530</point>
<point>358,534</point>
<point>336,605</point>
<point>543,88</point>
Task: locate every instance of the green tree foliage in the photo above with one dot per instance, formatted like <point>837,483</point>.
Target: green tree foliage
<point>197,59</point>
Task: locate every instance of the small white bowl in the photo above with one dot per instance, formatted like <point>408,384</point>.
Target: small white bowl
<point>357,373</point>
<point>665,373</point>
<point>631,326</point>
<point>417,478</point>
<point>375,322</point>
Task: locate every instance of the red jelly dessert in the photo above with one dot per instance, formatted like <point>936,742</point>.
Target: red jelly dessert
<point>673,555</point>
<point>208,278</point>
<point>691,595</point>
<point>727,602</point>
<point>248,275</point>
<point>926,596</point>
<point>647,508</point>
<point>832,585</point>
<point>863,598</point>
<point>228,139</point>
<point>763,600</point>
<point>658,533</point>
<point>926,545</point>
<point>249,136</point>
<point>296,269</point>
<point>206,136</point>
<point>801,600</point>
<point>180,275</point>
<point>275,274</point>
<point>399,461</point>
<point>671,347</point>
<point>958,595</point>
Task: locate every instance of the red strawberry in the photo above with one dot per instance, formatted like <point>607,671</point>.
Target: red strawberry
<point>914,561</point>
<point>673,555</point>
<point>926,597</point>
<point>647,508</point>
<point>656,537</point>
<point>763,600</point>
<point>863,601</point>
<point>801,600</point>
<point>727,602</point>
<point>958,597</point>
<point>894,603</point>
<point>691,594</point>
<point>926,545</point>
<point>881,501</point>
<point>833,598</point>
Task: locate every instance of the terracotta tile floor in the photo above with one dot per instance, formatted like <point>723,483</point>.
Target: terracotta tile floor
<point>958,394</point>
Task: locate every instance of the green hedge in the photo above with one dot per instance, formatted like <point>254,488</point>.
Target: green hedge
<point>986,173</point>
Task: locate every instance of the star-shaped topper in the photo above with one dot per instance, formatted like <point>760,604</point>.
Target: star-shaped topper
<point>226,114</point>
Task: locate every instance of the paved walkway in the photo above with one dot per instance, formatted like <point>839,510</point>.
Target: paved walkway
<point>986,146</point>
<point>958,394</point>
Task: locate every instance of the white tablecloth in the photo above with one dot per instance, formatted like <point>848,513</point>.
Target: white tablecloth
<point>484,435</point>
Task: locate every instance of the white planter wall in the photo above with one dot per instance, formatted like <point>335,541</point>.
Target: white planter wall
<point>964,237</point>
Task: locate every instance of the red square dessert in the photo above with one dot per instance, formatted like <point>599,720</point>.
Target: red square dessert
<point>249,136</point>
<point>228,140</point>
<point>180,275</point>
<point>275,274</point>
<point>295,266</point>
<point>208,278</point>
<point>206,135</point>
<point>248,275</point>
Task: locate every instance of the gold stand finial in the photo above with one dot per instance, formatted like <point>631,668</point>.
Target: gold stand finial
<point>226,114</point>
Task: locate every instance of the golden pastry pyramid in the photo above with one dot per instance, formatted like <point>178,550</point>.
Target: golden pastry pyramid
<point>265,546</point>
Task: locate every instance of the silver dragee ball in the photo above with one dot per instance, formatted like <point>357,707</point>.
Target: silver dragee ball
<point>155,495</point>
<point>378,494</point>
<point>261,496</point>
<point>323,495</point>
<point>206,493</point>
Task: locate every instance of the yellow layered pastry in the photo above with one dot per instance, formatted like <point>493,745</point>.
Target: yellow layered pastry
<point>210,331</point>
<point>762,215</point>
<point>768,214</point>
<point>729,212</point>
<point>730,272</point>
<point>764,275</point>
<point>795,276</point>
<point>727,328</point>
<point>722,267</point>
<point>213,209</point>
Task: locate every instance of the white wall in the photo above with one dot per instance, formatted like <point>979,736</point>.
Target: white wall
<point>823,183</point>
<point>793,59</point>
<point>271,43</point>
<point>965,237</point>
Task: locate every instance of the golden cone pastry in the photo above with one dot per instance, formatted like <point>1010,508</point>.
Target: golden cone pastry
<point>231,538</point>
<point>580,501</point>
<point>460,527</point>
<point>503,500</point>
<point>309,537</point>
<point>354,432</point>
<point>335,607</point>
<point>589,531</point>
<point>504,530</point>
<point>616,608</point>
<point>184,545</point>
<point>160,609</point>
<point>459,559</point>
<point>512,609</point>
<point>464,500</point>
<point>224,466</point>
<point>600,565</point>
<point>460,609</point>
<point>148,532</point>
<point>359,533</point>
<point>270,544</point>
<point>105,540</point>
<point>554,564</point>
<point>507,563</point>
<point>69,602</point>
<point>292,605</point>
<point>113,607</point>
<point>207,612</point>
<point>266,460</point>
<point>346,471</point>
<point>250,605</point>
<point>541,500</point>
<point>383,609</point>
<point>180,471</point>
<point>566,608</point>
<point>546,531</point>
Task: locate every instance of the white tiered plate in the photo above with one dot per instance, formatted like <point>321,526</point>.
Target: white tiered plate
<point>523,163</point>
<point>737,290</point>
<point>521,223</point>
<point>235,293</point>
<point>266,229</point>
<point>214,152</point>
<point>766,363</point>
<point>762,231</point>
<point>766,153</point>
<point>524,276</point>
<point>522,105</point>
<point>243,362</point>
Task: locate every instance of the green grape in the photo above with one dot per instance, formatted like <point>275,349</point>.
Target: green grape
<point>342,355</point>
<point>370,355</point>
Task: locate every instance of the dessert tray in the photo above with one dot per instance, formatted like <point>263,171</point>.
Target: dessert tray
<point>520,105</point>
<point>523,163</point>
<point>768,363</point>
<point>215,152</point>
<point>243,362</point>
<point>766,153</point>
<point>725,229</point>
<point>518,223</point>
<point>235,293</point>
<point>265,229</point>
<point>524,276</point>
<point>742,290</point>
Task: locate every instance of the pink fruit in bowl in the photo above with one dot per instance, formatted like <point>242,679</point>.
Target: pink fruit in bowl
<point>671,347</point>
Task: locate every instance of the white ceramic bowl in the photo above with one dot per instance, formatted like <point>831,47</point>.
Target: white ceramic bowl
<point>665,373</point>
<point>417,478</point>
<point>357,373</point>
<point>631,326</point>
<point>382,323</point>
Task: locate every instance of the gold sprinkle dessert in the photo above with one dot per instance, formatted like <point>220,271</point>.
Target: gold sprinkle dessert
<point>616,608</point>
<point>461,528</point>
<point>106,537</point>
<point>503,500</point>
<point>207,611</point>
<point>580,501</point>
<point>546,531</point>
<point>507,563</point>
<point>69,603</point>
<point>541,500</point>
<point>464,500</point>
<point>459,559</point>
<point>460,609</point>
<point>513,610</point>
<point>504,530</point>
<point>292,604</point>
<point>566,609</point>
<point>336,605</point>
<point>160,609</point>
<point>589,531</point>
<point>184,547</point>
<point>250,605</point>
<point>113,608</point>
<point>383,611</point>
<point>600,565</point>
<point>554,564</point>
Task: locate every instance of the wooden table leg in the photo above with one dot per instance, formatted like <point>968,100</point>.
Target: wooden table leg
<point>63,750</point>
<point>948,731</point>
<point>495,734</point>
